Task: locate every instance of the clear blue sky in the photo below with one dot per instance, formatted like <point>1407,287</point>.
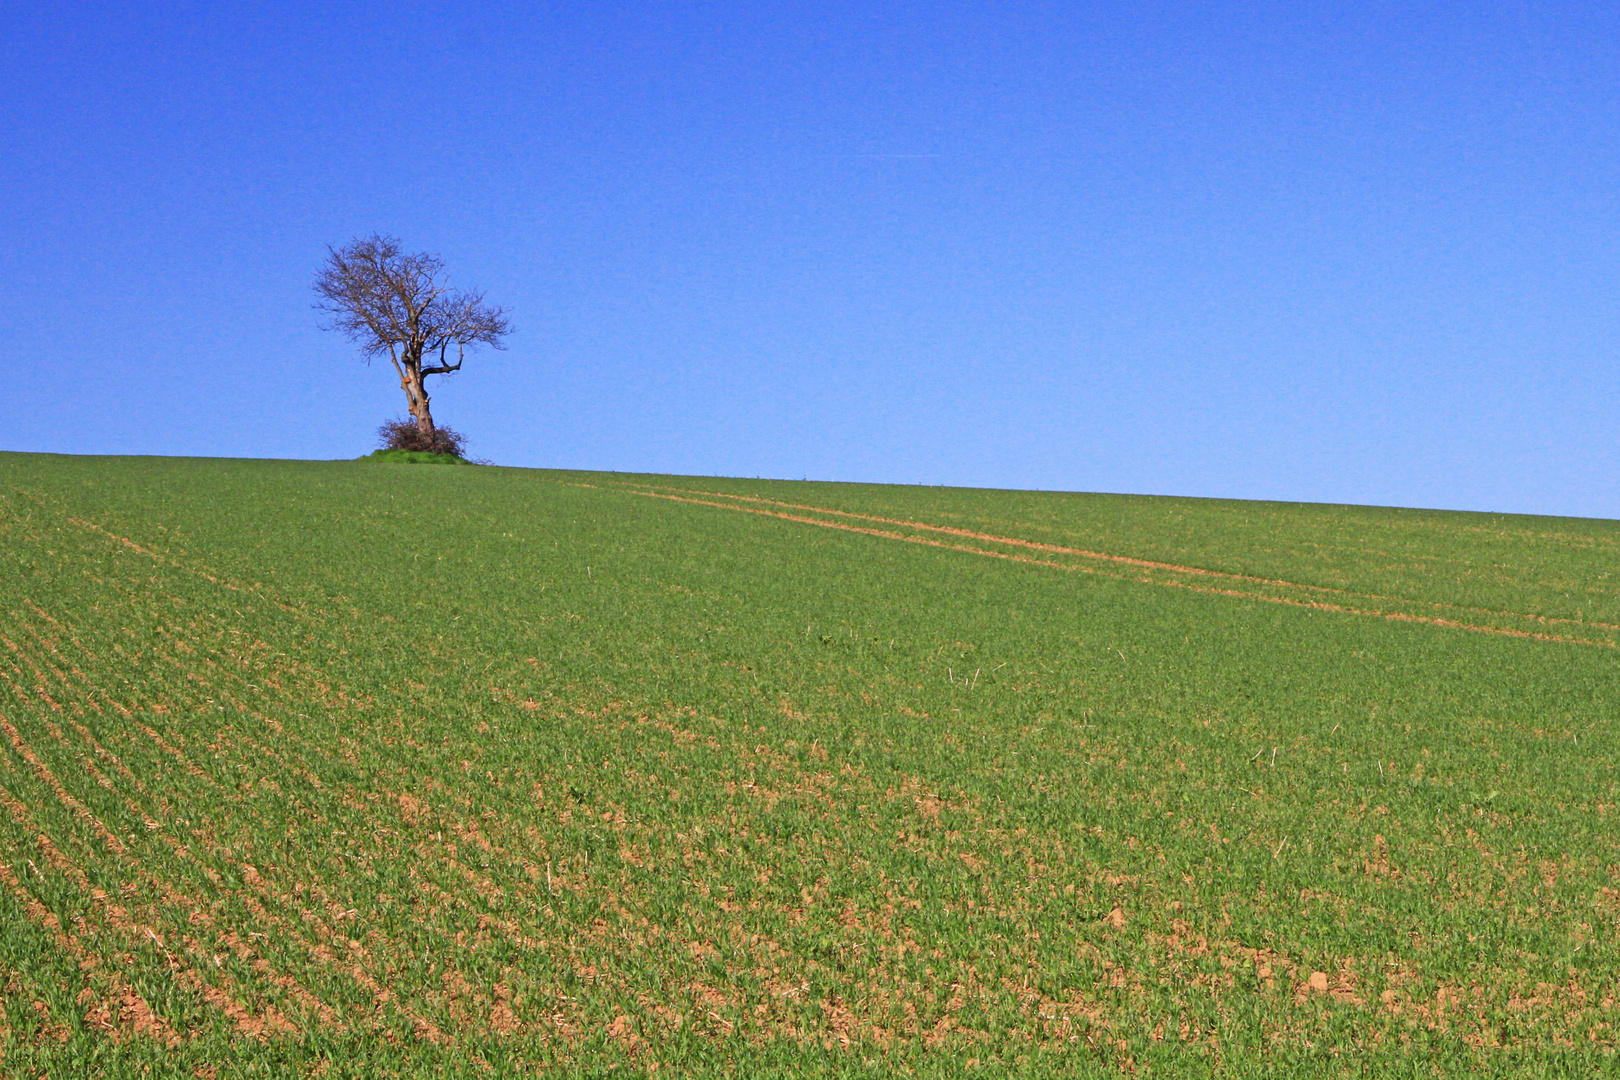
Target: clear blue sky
<point>1351,252</point>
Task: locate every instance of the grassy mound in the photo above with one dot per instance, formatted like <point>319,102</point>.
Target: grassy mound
<point>414,457</point>
<point>312,768</point>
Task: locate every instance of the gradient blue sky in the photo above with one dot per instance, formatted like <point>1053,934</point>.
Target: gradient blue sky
<point>1331,252</point>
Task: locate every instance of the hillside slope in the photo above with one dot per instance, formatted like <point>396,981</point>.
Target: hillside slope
<point>330,766</point>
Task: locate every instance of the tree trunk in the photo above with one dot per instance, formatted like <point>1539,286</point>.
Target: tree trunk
<point>416,394</point>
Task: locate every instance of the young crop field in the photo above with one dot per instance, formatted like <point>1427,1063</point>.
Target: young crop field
<point>360,769</point>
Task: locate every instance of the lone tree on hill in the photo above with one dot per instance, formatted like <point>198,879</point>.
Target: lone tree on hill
<point>402,305</point>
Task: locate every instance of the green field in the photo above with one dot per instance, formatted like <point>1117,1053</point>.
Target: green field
<point>349,768</point>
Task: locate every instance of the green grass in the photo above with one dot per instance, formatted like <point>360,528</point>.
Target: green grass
<point>414,457</point>
<point>315,768</point>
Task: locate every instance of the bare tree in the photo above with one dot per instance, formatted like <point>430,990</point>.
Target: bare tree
<point>402,305</point>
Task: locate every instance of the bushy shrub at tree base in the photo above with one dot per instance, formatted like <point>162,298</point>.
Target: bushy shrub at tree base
<point>405,435</point>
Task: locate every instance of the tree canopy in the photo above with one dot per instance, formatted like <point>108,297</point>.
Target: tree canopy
<point>403,305</point>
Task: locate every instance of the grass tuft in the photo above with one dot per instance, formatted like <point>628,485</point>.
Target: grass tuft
<point>414,457</point>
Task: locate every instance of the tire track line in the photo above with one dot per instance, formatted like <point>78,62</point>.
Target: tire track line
<point>1145,563</point>
<point>1318,605</point>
